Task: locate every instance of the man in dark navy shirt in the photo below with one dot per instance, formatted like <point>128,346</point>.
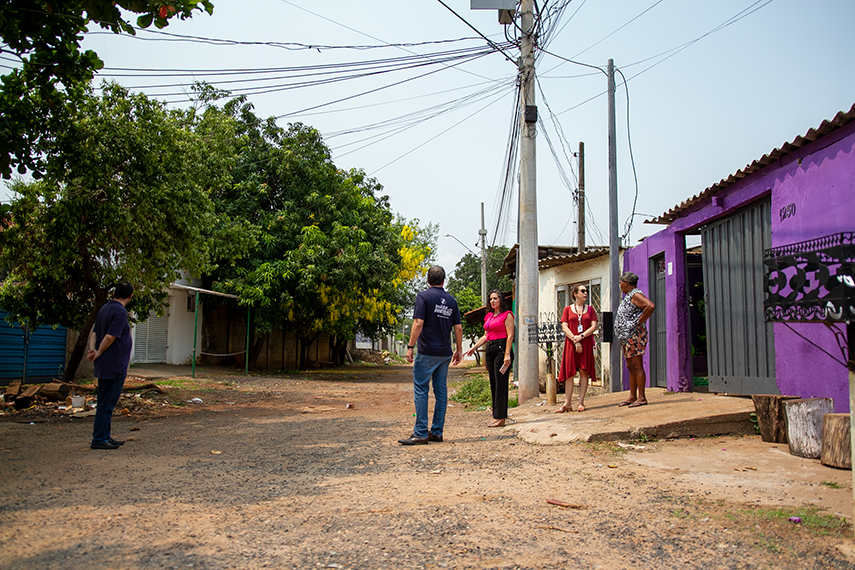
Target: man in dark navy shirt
<point>110,349</point>
<point>435,316</point>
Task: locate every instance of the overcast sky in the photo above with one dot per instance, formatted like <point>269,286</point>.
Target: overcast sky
<point>696,115</point>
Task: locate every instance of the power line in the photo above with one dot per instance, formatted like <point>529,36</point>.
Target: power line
<point>290,46</point>
<point>415,119</point>
<point>375,90</point>
<point>510,167</point>
<point>619,29</point>
<point>434,137</point>
<point>628,224</point>
<point>488,40</point>
<point>411,59</point>
<point>360,32</point>
<point>673,51</point>
<point>318,78</point>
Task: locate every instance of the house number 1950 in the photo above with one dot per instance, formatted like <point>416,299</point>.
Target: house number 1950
<point>788,211</point>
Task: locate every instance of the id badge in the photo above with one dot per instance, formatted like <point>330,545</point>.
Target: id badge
<point>579,328</point>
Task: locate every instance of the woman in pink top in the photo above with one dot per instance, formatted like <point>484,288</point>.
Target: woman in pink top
<point>499,338</point>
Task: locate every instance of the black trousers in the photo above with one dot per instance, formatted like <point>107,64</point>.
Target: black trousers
<point>494,359</point>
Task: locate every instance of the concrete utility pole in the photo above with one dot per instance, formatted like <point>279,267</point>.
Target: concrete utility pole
<point>483,233</point>
<point>615,384</point>
<point>526,294</point>
<point>581,239</point>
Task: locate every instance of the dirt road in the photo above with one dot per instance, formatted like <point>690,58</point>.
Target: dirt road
<point>279,472</point>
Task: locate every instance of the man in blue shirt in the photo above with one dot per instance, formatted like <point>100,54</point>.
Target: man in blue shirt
<point>435,316</point>
<point>110,350</point>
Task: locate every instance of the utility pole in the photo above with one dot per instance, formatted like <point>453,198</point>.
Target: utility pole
<point>615,383</point>
<point>527,291</point>
<point>581,239</point>
<point>483,233</point>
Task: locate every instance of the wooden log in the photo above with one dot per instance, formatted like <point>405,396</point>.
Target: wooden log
<point>12,390</point>
<point>770,416</point>
<point>55,391</point>
<point>804,425</point>
<point>836,441</point>
<point>25,398</point>
<point>551,388</point>
<point>144,388</point>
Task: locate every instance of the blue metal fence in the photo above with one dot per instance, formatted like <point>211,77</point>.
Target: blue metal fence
<point>32,356</point>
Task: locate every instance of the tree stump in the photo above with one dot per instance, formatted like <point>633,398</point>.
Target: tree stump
<point>836,445</point>
<point>804,425</point>
<point>55,391</point>
<point>770,416</point>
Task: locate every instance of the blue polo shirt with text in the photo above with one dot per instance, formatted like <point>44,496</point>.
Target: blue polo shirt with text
<point>440,313</point>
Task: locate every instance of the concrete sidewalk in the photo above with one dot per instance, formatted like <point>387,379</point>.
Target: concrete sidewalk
<point>668,415</point>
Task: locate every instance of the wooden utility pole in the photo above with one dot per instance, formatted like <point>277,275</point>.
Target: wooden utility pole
<point>581,197</point>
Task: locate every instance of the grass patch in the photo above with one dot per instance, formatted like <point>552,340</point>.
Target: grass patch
<point>680,513</point>
<point>475,392</point>
<point>175,383</point>
<point>644,438</point>
<point>812,520</point>
<point>832,484</point>
<point>606,447</point>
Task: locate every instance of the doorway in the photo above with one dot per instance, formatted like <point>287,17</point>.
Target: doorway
<point>658,331</point>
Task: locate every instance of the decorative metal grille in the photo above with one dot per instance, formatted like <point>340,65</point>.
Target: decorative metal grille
<point>542,333</point>
<point>811,280</point>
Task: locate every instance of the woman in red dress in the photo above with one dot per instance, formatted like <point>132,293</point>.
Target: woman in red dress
<point>579,321</point>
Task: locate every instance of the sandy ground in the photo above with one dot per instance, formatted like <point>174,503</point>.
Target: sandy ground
<point>279,472</point>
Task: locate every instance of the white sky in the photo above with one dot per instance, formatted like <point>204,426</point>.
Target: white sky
<point>695,118</point>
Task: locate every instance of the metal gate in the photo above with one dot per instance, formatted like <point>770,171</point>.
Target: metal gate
<point>740,344</point>
<point>32,356</point>
<point>150,340</point>
<point>657,330</point>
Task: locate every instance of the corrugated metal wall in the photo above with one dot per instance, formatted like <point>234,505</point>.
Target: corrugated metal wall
<point>43,352</point>
<point>741,345</point>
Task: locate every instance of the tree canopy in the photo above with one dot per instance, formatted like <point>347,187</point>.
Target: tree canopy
<point>331,257</point>
<point>467,272</point>
<point>124,196</point>
<point>42,94</point>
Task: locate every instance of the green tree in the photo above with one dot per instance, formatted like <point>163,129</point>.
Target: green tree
<point>124,196</point>
<point>42,94</point>
<point>469,300</point>
<point>467,273</point>
<point>331,257</point>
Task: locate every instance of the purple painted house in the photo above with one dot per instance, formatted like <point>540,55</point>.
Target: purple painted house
<point>709,322</point>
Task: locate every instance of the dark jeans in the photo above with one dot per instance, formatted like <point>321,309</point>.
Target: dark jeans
<point>495,358</point>
<point>109,391</point>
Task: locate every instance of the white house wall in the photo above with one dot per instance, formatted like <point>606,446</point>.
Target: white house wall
<point>181,321</point>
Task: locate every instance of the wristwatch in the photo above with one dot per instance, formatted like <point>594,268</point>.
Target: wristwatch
<point>410,347</point>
